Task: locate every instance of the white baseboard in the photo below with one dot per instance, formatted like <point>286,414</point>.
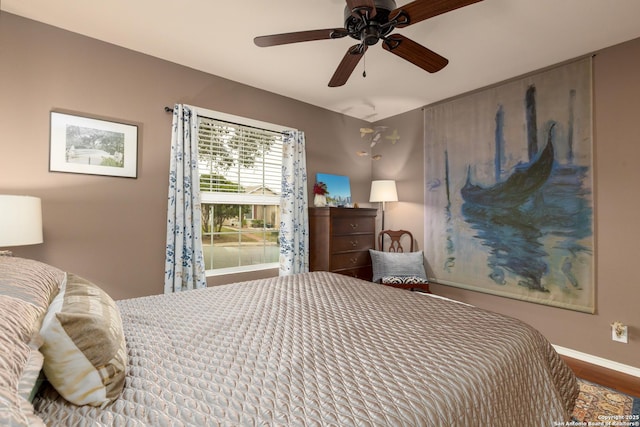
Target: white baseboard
<point>595,360</point>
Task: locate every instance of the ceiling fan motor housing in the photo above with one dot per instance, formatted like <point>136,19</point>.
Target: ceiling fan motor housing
<point>370,31</point>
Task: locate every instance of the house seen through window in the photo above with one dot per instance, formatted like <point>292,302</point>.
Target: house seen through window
<point>240,178</point>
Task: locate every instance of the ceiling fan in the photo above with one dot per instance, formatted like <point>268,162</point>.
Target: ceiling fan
<point>370,21</point>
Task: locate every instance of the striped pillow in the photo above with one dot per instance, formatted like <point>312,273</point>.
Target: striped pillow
<point>84,348</point>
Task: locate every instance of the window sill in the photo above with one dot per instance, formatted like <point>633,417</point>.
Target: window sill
<point>243,269</point>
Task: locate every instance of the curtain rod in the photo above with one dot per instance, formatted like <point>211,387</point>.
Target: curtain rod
<point>170,110</point>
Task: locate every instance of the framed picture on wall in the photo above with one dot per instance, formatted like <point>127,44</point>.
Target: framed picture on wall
<point>90,146</point>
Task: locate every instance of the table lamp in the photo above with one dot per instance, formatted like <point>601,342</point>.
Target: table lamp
<point>383,191</point>
<point>20,221</point>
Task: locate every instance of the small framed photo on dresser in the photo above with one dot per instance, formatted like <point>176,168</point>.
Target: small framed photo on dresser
<point>338,187</point>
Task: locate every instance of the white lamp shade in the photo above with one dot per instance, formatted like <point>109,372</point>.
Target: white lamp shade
<point>383,191</point>
<point>20,220</point>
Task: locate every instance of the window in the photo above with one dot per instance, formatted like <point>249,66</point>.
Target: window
<point>240,177</point>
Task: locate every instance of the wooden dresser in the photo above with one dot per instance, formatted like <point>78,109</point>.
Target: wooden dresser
<point>340,239</point>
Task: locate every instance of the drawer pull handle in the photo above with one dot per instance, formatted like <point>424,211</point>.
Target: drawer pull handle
<point>354,243</point>
<point>353,260</point>
<point>354,226</point>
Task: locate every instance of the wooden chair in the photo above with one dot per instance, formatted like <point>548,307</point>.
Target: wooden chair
<point>396,236</point>
<point>396,240</point>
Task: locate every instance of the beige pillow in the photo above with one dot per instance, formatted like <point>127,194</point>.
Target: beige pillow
<point>84,348</point>
<point>30,281</point>
<point>19,361</point>
<point>26,289</point>
<point>31,379</point>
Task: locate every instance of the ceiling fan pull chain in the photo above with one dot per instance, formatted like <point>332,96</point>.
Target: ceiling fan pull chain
<point>364,64</point>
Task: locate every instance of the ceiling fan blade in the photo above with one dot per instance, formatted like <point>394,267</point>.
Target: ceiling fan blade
<point>419,10</point>
<point>347,65</point>
<point>415,53</point>
<point>359,4</point>
<point>300,36</point>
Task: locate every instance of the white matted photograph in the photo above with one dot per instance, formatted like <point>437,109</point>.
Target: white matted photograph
<point>91,146</point>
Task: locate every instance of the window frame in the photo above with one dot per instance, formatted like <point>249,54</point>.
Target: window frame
<point>236,198</point>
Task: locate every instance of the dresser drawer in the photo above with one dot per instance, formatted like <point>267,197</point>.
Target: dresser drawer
<point>353,225</point>
<point>350,260</point>
<point>354,242</point>
<point>363,273</point>
<point>340,239</point>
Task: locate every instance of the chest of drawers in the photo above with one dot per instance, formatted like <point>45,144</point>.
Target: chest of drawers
<point>340,239</point>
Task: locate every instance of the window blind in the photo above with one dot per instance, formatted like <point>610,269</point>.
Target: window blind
<point>240,159</point>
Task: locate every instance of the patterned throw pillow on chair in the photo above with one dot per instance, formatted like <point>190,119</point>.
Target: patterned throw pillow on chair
<point>400,280</point>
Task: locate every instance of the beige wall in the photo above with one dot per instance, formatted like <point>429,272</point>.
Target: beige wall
<point>617,203</point>
<point>403,162</point>
<point>112,230</point>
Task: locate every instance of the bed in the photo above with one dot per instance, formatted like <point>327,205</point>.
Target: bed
<point>311,349</point>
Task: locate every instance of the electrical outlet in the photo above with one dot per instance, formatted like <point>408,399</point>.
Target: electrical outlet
<point>622,335</point>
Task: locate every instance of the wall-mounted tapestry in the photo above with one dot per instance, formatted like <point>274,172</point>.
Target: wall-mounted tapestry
<point>508,189</point>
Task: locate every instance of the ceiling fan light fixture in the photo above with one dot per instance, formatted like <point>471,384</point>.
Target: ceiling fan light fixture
<point>357,23</point>
<point>370,35</point>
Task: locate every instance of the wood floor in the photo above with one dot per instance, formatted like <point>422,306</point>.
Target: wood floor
<point>624,383</point>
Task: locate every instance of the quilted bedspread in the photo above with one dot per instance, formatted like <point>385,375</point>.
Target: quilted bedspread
<point>325,349</point>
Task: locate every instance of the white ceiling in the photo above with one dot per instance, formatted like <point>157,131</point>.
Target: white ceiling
<point>485,43</point>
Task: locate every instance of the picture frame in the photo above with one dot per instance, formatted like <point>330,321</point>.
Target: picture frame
<point>339,188</point>
<point>86,145</point>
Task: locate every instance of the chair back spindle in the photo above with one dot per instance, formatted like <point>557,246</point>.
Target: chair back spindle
<point>395,237</point>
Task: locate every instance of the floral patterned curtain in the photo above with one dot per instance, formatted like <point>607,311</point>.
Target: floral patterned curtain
<point>184,262</point>
<point>294,218</point>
